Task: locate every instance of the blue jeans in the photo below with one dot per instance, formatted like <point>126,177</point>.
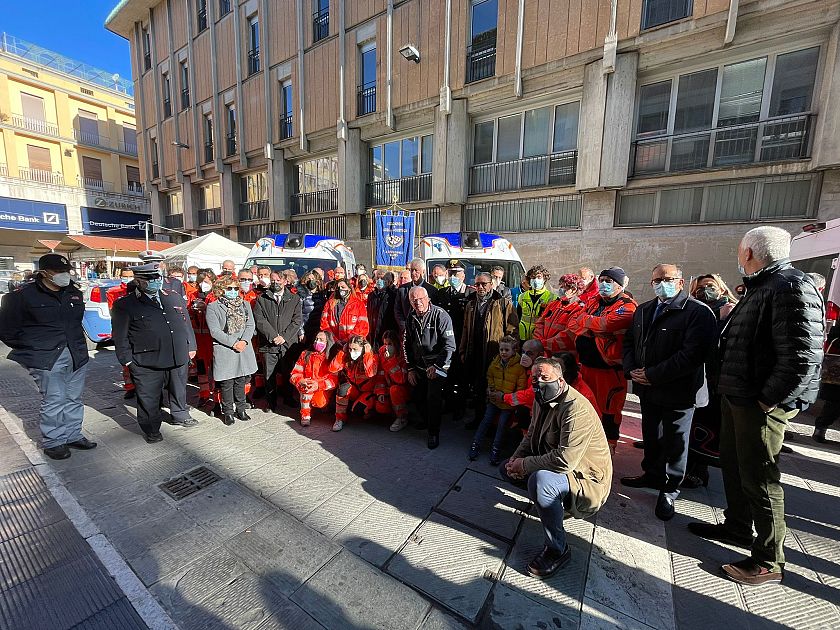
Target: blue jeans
<point>550,493</point>
<point>62,410</point>
<point>489,414</point>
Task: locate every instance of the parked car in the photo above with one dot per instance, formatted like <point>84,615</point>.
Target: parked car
<point>96,321</point>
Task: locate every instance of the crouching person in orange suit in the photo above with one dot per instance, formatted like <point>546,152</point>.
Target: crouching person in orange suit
<point>357,367</point>
<point>312,378</point>
<point>392,390</point>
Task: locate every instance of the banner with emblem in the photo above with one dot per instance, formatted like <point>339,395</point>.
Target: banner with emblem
<point>394,237</point>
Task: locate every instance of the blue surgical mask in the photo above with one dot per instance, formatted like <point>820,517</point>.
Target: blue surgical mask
<point>605,288</point>
<point>231,293</point>
<point>455,282</point>
<point>153,286</point>
<point>192,277</point>
<point>537,283</point>
<point>741,269</point>
<point>665,290</point>
<point>380,284</point>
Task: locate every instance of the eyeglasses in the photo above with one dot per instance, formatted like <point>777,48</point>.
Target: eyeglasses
<point>483,284</point>
<point>661,280</point>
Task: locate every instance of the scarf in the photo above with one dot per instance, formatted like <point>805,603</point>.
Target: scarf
<point>235,314</point>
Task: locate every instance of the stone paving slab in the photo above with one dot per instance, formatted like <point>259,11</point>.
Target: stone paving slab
<point>224,507</point>
<point>455,566</point>
<point>511,609</point>
<point>377,532</point>
<point>349,593</point>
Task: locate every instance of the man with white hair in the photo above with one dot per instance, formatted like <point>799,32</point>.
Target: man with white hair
<point>770,359</point>
<point>403,308</point>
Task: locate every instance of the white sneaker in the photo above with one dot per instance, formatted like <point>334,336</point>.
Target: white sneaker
<point>338,426</point>
<point>399,424</point>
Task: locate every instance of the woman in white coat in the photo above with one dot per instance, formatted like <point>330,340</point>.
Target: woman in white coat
<point>231,326</point>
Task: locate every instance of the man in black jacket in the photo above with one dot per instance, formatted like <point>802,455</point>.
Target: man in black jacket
<point>771,356</point>
<point>453,299</point>
<point>403,306</point>
<point>42,323</point>
<point>277,315</point>
<point>429,344</point>
<point>153,336</point>
<point>380,307</point>
<point>664,353</point>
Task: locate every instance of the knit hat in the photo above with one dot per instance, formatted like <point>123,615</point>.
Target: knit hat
<point>616,273</point>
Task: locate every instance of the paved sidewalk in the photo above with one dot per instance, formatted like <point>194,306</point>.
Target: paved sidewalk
<point>306,528</point>
<point>50,576</point>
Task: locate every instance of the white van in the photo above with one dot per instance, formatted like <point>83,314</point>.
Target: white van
<point>478,252</point>
<point>301,252</point>
<point>817,249</point>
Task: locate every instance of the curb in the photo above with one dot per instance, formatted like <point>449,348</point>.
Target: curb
<point>152,613</point>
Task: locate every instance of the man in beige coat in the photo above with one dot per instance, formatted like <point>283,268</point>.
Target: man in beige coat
<point>565,459</point>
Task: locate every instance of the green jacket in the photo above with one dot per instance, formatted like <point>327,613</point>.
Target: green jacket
<point>531,306</point>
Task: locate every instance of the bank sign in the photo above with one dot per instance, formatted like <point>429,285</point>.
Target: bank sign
<point>99,222</point>
<point>21,214</point>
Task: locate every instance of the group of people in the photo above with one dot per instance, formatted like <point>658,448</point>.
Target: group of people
<point>718,377</point>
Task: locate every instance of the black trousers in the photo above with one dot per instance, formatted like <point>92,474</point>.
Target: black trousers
<point>665,433</point>
<point>150,385</point>
<point>275,365</point>
<point>829,414</point>
<point>233,394</point>
<point>428,396</point>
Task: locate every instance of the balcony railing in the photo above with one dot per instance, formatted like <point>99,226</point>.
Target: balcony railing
<point>133,188</point>
<point>253,60</point>
<point>155,170</point>
<point>366,99</point>
<point>91,139</point>
<point>167,107</point>
<point>94,183</point>
<point>209,153</point>
<point>147,61</point>
<point>481,61</point>
<point>210,216</point>
<point>34,124</point>
<point>4,170</point>
<point>202,19</point>
<point>315,202</point>
<point>40,176</point>
<point>286,127</point>
<point>173,220</point>
<point>231,144</point>
<point>772,140</point>
<point>128,147</point>
<point>185,98</point>
<point>403,190</point>
<point>557,169</point>
<point>253,210</point>
<point>320,25</point>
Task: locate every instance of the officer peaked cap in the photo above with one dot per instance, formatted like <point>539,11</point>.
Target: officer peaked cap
<point>148,271</point>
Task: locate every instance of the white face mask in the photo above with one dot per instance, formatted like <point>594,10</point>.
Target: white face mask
<point>61,279</point>
<point>440,279</point>
<point>355,354</point>
<point>265,280</point>
<point>205,287</point>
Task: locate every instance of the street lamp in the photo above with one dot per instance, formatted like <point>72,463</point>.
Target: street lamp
<point>410,53</point>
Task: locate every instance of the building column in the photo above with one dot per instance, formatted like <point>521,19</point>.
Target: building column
<point>64,121</point>
<point>450,218</point>
<point>230,197</point>
<point>280,178</point>
<point>827,137</point>
<point>449,173</point>
<point>157,211</point>
<point>352,172</point>
<point>188,202</point>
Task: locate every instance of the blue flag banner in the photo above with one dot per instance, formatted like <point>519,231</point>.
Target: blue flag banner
<point>394,237</point>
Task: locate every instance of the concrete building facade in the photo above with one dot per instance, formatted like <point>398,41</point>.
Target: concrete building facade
<point>607,132</point>
<point>68,151</point>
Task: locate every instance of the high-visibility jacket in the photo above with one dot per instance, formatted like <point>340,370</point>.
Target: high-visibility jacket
<point>392,370</point>
<point>353,321</point>
<point>249,297</point>
<point>531,306</point>
<point>590,292</point>
<point>362,374</point>
<point>314,365</point>
<point>552,328</point>
<point>525,397</point>
<point>113,294</point>
<point>599,329</point>
<point>506,378</point>
<point>190,290</point>
<point>363,294</point>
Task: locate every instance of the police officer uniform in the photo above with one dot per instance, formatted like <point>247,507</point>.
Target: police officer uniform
<point>153,336</point>
<point>43,325</point>
<point>173,285</point>
<point>454,301</point>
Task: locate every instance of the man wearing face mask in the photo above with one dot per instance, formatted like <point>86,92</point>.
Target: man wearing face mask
<point>42,323</point>
<point>590,284</point>
<point>277,313</point>
<point>599,329</point>
<point>564,460</point>
<point>172,285</point>
<point>440,281</point>
<point>246,287</point>
<point>453,300</point>
<point>417,273</point>
<point>664,353</point>
<point>497,273</point>
<point>532,303</point>
<point>380,307</point>
<point>191,283</point>
<point>154,338</point>
<point>363,286</point>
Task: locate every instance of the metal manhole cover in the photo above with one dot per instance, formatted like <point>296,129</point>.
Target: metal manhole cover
<point>189,483</point>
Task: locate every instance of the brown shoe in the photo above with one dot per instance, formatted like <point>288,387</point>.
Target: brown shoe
<point>548,562</point>
<point>750,573</point>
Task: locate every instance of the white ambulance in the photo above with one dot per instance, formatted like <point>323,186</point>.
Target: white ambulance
<point>301,252</point>
<point>817,249</point>
<point>477,251</point>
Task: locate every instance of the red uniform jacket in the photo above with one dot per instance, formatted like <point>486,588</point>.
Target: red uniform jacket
<point>113,294</point>
<point>552,328</point>
<point>313,365</point>
<point>607,323</point>
<point>249,297</point>
<point>392,371</point>
<point>354,319</point>
<point>361,374</point>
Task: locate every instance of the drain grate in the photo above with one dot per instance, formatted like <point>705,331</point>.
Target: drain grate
<point>189,483</point>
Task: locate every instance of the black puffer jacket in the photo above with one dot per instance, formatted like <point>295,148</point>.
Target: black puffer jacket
<point>312,305</point>
<point>771,348</point>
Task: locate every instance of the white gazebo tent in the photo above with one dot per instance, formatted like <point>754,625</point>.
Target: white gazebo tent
<point>206,252</point>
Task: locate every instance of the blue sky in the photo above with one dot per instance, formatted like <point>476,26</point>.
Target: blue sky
<point>73,28</point>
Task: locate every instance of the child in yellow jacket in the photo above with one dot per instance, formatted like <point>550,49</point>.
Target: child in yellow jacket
<point>504,375</point>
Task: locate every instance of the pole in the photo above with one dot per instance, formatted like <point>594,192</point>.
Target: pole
<point>147,234</point>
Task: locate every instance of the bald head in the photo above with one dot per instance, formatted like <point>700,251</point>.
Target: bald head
<point>533,348</point>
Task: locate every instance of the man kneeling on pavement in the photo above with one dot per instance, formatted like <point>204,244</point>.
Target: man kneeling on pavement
<point>565,459</point>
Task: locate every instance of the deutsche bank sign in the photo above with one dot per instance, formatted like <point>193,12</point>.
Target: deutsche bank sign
<point>22,214</point>
<point>99,222</point>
